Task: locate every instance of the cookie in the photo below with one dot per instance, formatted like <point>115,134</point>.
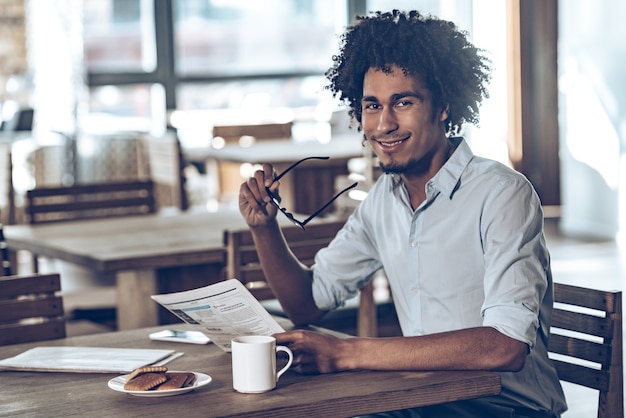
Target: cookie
<point>145,381</point>
<point>146,369</point>
<point>176,380</point>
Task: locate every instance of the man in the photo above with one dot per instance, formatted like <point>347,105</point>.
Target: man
<point>459,237</point>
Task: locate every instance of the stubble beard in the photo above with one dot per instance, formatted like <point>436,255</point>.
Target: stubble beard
<point>414,165</point>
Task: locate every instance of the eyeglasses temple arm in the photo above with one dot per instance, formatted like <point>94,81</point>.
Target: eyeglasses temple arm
<point>288,169</point>
<point>320,210</point>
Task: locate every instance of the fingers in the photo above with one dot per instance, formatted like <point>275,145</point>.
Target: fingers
<point>268,174</point>
<point>256,188</point>
<point>264,179</point>
<point>289,337</point>
<point>254,200</point>
<point>308,351</point>
<point>256,184</point>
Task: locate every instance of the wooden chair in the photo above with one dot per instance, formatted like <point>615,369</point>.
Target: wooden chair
<point>242,263</point>
<point>165,160</point>
<point>88,201</point>
<point>587,330</point>
<point>30,309</point>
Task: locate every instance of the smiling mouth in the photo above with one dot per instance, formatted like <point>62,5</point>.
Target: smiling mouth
<point>390,144</point>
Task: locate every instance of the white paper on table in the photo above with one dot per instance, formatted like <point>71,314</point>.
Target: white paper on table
<point>222,311</point>
<point>85,359</point>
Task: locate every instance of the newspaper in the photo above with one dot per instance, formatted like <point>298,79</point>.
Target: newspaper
<point>222,311</point>
<point>87,359</point>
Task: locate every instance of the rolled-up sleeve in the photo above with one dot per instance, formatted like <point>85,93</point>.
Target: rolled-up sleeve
<point>516,260</point>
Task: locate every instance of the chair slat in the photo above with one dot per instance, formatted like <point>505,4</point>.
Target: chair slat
<point>585,297</point>
<point>14,310</point>
<point>91,189</point>
<point>581,375</point>
<point>30,309</point>
<point>586,350</point>
<point>13,286</point>
<point>17,334</point>
<point>576,321</point>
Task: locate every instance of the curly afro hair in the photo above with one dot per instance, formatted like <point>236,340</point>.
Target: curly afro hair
<point>435,50</point>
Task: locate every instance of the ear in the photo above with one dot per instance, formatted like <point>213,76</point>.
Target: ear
<point>445,112</point>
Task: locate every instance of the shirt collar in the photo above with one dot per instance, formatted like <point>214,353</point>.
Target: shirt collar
<point>447,179</point>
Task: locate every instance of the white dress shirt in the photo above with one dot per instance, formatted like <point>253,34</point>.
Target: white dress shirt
<point>472,254</point>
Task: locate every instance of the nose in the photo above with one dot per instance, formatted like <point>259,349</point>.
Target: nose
<point>387,121</point>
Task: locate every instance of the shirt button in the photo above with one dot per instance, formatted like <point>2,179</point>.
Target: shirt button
<point>414,243</point>
<point>415,290</point>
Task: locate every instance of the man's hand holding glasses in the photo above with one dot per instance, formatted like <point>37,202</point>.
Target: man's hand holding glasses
<point>276,200</point>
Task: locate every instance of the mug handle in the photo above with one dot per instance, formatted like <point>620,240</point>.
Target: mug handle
<point>290,354</point>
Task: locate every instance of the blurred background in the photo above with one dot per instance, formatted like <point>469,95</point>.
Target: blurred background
<point>93,73</point>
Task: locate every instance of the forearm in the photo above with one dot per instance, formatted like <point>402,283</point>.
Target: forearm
<point>482,348</point>
<point>289,279</point>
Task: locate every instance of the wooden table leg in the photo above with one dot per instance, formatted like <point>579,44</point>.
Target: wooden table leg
<point>135,308</point>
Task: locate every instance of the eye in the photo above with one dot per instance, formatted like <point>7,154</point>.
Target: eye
<point>371,106</point>
<point>404,103</point>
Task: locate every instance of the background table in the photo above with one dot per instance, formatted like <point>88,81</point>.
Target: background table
<point>331,395</point>
<point>149,254</point>
<point>310,185</point>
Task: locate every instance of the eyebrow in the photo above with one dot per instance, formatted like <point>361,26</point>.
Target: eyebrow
<point>403,94</point>
<point>395,97</point>
<point>369,99</point>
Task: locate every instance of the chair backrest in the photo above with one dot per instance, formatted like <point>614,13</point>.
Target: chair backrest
<point>30,309</point>
<point>242,260</point>
<point>165,159</point>
<point>88,201</point>
<point>586,343</point>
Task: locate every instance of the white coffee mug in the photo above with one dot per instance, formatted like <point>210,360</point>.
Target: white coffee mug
<point>254,363</point>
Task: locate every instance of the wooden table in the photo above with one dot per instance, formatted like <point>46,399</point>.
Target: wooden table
<point>280,150</point>
<point>297,187</point>
<point>331,395</point>
<point>149,254</point>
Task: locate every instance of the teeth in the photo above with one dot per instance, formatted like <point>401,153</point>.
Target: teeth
<point>389,144</point>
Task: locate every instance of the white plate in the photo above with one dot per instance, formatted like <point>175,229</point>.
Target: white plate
<point>117,384</point>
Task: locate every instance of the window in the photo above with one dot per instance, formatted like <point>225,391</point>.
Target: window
<point>251,55</point>
<point>213,49</point>
<point>249,37</point>
<point>119,36</point>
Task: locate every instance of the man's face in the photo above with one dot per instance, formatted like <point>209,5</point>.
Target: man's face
<point>399,120</point>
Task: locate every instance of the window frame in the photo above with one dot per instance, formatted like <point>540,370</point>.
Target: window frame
<point>165,72</point>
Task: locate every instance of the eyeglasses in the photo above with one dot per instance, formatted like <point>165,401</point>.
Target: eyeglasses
<point>276,199</point>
